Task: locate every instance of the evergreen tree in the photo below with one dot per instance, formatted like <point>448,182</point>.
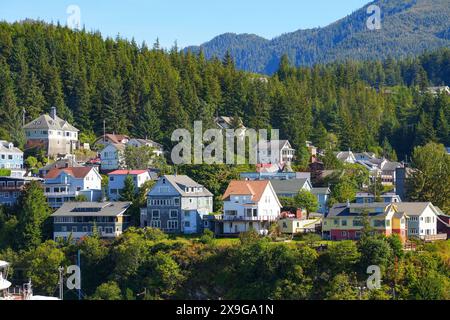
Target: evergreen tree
<point>33,212</point>
<point>128,192</point>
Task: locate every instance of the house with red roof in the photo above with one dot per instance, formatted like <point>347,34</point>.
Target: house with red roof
<point>116,181</point>
<point>65,184</point>
<point>250,205</point>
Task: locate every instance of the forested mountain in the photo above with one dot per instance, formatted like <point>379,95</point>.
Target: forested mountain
<point>150,92</point>
<point>408,27</point>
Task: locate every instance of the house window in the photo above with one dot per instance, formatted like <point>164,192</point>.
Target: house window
<point>388,223</point>
<point>177,201</point>
<point>187,224</point>
<point>85,229</point>
<point>74,229</point>
<point>344,223</point>
<point>173,214</point>
<point>156,224</point>
<point>378,223</point>
<point>109,230</point>
<point>231,212</point>
<point>172,224</point>
<point>155,214</point>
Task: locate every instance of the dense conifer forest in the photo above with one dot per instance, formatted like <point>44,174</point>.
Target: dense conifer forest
<point>148,92</point>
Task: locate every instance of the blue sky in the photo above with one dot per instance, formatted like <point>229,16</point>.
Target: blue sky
<point>189,22</point>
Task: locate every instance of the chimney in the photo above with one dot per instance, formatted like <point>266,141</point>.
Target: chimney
<point>53,113</point>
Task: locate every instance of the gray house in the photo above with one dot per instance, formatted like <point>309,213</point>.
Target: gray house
<point>78,219</point>
<point>52,134</point>
<point>176,204</point>
<point>290,188</point>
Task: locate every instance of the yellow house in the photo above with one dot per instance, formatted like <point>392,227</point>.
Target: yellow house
<point>345,221</point>
<point>294,225</point>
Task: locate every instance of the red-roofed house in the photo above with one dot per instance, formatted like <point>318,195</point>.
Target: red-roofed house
<point>65,184</point>
<point>108,138</point>
<point>117,178</point>
<point>250,205</point>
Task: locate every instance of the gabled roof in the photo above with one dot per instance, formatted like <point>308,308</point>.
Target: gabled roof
<point>76,172</point>
<point>60,164</point>
<point>127,172</point>
<point>112,138</point>
<point>317,191</point>
<point>273,144</point>
<point>390,166</point>
<point>289,186</point>
<point>179,182</point>
<point>147,142</point>
<point>47,122</point>
<point>84,209</point>
<point>415,208</point>
<point>4,147</point>
<point>117,146</point>
<point>247,188</point>
<point>344,209</point>
<point>226,122</point>
<point>344,155</point>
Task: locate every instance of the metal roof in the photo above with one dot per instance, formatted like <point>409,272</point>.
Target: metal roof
<point>88,209</point>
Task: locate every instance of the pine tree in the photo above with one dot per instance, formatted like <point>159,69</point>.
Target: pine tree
<point>149,125</point>
<point>128,192</point>
<point>33,213</point>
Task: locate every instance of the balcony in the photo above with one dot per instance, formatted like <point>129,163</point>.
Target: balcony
<point>436,237</point>
<point>248,218</point>
<point>61,194</point>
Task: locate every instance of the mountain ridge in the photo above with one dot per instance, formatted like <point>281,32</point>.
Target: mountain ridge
<point>408,28</point>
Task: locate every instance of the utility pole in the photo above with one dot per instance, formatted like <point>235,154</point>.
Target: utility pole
<point>61,283</point>
<point>104,131</point>
<point>79,267</point>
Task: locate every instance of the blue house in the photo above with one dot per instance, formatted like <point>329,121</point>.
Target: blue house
<point>10,156</point>
<point>323,195</point>
<point>11,187</point>
<point>177,204</point>
<point>366,197</point>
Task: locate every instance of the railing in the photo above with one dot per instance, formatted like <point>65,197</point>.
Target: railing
<point>246,218</point>
<point>435,237</point>
<point>11,188</point>
<point>59,194</point>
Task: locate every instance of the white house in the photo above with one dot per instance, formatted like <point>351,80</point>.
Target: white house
<point>275,151</point>
<point>64,185</point>
<point>116,181</point>
<point>51,133</point>
<point>112,157</point>
<point>250,205</point>
<point>422,219</point>
<point>346,157</point>
<point>158,148</point>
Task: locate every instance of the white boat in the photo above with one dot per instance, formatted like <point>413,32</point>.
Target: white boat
<point>24,293</point>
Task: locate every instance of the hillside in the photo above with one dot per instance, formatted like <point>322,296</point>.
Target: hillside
<point>409,27</point>
<point>149,92</point>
